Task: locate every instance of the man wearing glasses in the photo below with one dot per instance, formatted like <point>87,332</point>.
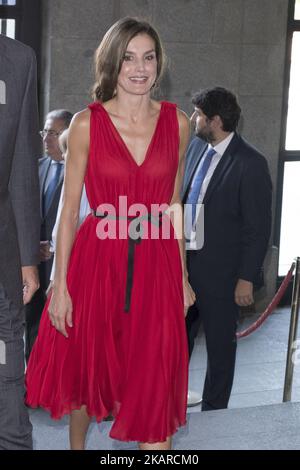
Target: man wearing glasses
<point>51,174</point>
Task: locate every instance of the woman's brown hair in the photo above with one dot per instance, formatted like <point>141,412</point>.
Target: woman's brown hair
<point>110,55</point>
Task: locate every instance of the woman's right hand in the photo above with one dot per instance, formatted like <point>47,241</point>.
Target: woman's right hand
<point>60,310</point>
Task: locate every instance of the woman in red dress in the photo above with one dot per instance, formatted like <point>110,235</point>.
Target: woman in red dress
<point>112,338</point>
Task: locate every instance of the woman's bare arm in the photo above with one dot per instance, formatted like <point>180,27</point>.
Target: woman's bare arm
<point>76,161</point>
<point>177,212</point>
<point>60,307</point>
<point>176,206</point>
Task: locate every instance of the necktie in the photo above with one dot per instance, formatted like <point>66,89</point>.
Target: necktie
<point>48,196</point>
<point>197,184</point>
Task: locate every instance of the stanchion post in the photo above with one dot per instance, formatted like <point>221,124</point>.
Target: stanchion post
<point>289,370</point>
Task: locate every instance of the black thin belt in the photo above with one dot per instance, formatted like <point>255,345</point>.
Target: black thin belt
<point>131,246</point>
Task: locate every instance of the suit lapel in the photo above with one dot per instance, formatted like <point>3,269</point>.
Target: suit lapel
<point>58,188</point>
<point>7,75</point>
<point>2,79</point>
<point>221,168</point>
<point>43,172</point>
<point>7,80</point>
<point>3,63</point>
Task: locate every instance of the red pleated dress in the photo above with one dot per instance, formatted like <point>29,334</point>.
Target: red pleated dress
<point>130,364</point>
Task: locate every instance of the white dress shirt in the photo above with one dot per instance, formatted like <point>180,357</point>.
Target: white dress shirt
<point>220,149</point>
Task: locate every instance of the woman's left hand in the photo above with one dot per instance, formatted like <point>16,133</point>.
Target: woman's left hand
<point>188,294</point>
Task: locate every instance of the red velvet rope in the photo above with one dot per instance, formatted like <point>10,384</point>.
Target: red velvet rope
<point>278,296</point>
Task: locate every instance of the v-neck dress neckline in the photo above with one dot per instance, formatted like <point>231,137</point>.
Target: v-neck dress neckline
<point>122,142</point>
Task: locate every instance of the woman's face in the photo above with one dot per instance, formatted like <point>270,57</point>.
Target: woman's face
<point>139,68</point>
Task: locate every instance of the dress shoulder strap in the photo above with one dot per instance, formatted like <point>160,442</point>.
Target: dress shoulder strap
<point>95,106</point>
<point>168,104</point>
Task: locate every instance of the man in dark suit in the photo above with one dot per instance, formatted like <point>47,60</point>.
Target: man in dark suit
<point>19,231</point>
<point>231,180</point>
<point>51,174</point>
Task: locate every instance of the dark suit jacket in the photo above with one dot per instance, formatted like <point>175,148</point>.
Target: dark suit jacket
<point>237,216</point>
<point>19,147</point>
<point>47,220</point>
